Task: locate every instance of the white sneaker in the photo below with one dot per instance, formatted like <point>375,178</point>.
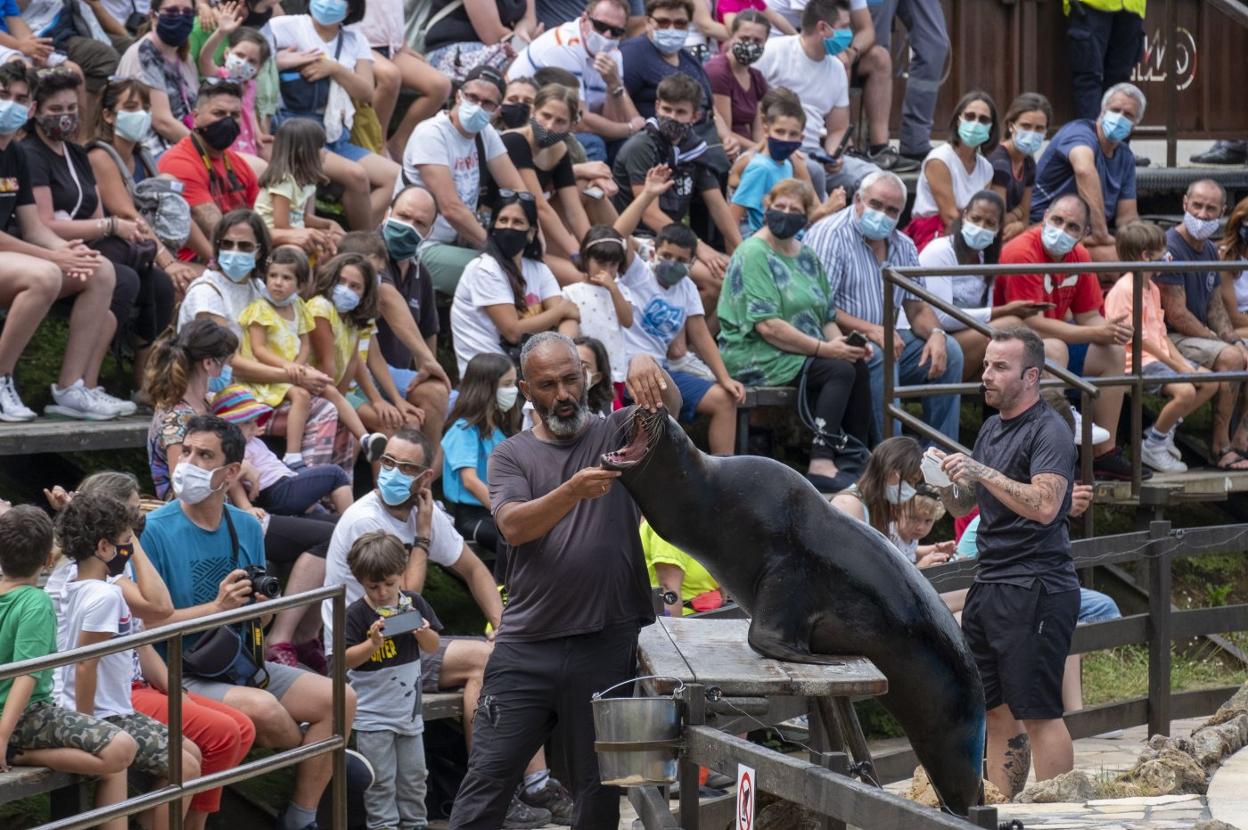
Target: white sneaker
<point>1155,456</point>
<point>374,446</point>
<point>691,364</point>
<point>107,401</point>
<point>12,409</point>
<point>1099,434</point>
<point>77,401</point>
<point>1171,448</point>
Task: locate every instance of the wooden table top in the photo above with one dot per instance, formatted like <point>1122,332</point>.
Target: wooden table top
<point>715,652</point>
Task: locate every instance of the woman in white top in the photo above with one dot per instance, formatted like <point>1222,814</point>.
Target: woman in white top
<point>974,239</point>
<point>1234,287</point>
<point>953,172</point>
<point>507,292</point>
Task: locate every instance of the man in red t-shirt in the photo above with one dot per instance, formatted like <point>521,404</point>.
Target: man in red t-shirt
<point>1074,330</point>
<point>215,179</point>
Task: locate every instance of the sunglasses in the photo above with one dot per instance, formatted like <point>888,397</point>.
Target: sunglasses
<point>405,467</point>
<point>604,28</point>
<point>969,117</point>
<point>231,245</point>
<point>521,195</point>
<point>174,14</point>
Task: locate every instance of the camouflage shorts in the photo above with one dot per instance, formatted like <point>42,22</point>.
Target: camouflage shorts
<point>46,726</point>
<point>152,736</point>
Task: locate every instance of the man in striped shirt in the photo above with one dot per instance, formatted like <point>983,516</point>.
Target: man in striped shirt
<point>855,245</point>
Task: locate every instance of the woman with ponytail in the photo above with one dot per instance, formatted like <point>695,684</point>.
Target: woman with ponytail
<point>178,373</point>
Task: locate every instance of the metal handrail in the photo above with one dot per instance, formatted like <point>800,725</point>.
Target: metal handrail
<point>178,789</point>
<point>1088,388</point>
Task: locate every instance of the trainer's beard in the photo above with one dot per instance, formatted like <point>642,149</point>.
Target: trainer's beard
<point>569,427</point>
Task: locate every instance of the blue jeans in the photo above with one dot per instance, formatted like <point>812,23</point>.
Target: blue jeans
<point>941,411</point>
<point>1096,607</point>
<point>595,146</point>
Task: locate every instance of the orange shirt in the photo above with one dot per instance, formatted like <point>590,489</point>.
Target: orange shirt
<point>1152,319</point>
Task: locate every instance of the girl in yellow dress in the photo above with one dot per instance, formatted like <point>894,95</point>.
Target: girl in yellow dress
<point>277,329</point>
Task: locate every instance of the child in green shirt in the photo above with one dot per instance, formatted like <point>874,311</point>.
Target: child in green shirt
<point>33,730</point>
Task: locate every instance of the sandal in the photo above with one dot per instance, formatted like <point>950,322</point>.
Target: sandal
<point>1237,463</point>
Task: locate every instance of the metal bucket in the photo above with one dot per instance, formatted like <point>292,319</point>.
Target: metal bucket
<point>638,738</point>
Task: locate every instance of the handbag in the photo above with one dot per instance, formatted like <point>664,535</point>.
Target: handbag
<point>366,129</point>
<point>225,654</point>
<point>303,97</point>
<point>851,454</point>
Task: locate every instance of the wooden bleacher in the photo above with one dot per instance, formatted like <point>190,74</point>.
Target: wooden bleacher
<point>67,435</point>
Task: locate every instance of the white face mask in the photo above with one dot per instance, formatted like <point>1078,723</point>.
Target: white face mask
<point>192,484</point>
<point>505,397</point>
<point>899,493</point>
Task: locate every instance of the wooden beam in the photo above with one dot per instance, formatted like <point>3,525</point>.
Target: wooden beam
<point>58,435</point>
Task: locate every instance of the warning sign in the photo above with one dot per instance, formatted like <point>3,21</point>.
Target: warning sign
<point>745,797</point>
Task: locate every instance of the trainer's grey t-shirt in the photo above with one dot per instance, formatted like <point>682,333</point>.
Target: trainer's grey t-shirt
<point>589,571</point>
<point>1012,549</point>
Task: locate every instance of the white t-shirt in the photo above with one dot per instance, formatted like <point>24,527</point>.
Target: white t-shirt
<point>1241,291</point>
<point>296,31</point>
<point>120,10</point>
<point>484,284</point>
<point>599,320</point>
<point>214,293</point>
<point>369,514</point>
<point>96,606</point>
<point>658,313</point>
<point>438,141</point>
<point>562,47</point>
<point>791,10</point>
<point>965,185</point>
<point>965,292</point>
<point>382,25</point>
<point>821,85</point>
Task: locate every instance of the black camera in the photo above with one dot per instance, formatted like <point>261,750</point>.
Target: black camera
<point>262,582</point>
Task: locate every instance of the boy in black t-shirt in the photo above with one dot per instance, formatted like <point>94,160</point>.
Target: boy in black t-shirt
<point>385,673</point>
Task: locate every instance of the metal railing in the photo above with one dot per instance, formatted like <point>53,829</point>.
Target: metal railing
<point>176,789</point>
<point>1089,388</point>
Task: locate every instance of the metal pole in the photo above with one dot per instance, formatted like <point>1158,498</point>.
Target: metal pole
<point>1085,458</point>
<point>1137,391</point>
<point>890,312</point>
<point>695,715</point>
<point>1159,628</point>
<point>341,728</point>
<point>1172,82</point>
<point>174,692</point>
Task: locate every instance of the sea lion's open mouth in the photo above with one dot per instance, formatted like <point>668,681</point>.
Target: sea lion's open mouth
<point>633,451</point>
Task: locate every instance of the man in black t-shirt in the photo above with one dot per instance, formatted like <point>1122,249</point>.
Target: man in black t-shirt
<point>577,585</point>
<point>1022,609</point>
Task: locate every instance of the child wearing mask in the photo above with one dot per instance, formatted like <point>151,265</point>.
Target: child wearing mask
<point>784,121</point>
<point>246,54</point>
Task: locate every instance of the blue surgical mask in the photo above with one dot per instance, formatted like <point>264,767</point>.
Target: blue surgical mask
<point>1116,126</point>
<point>217,384</point>
<point>899,493</point>
<point>597,44</point>
<point>1056,241</point>
<point>975,237</point>
<point>781,150</point>
<point>402,239</point>
<point>472,117</point>
<point>288,300</point>
<point>972,133</point>
<point>839,42</point>
<point>132,125</point>
<point>876,224</point>
<point>395,487</point>
<point>669,41</point>
<point>328,12</point>
<point>236,265</point>
<point>13,116</point>
<point>1028,142</point>
<point>345,300</point>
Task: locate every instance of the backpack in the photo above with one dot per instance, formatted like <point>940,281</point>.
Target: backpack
<point>158,199</point>
<point>420,18</point>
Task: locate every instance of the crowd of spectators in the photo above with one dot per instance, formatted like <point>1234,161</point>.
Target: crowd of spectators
<point>278,218</point>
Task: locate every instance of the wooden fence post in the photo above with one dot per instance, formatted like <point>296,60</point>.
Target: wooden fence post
<point>1159,629</point>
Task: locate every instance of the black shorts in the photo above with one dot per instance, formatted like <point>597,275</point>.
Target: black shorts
<point>1020,638</point>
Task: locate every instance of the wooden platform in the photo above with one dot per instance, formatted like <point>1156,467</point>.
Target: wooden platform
<point>715,653</point>
<point>1202,484</point>
<point>67,435</point>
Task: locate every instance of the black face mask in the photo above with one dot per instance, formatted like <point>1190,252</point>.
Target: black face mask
<point>257,20</point>
<point>544,137</point>
<point>219,135</point>
<point>513,115</point>
<point>784,225</point>
<point>509,241</point>
<point>672,131</point>
<point>747,51</point>
<point>117,565</point>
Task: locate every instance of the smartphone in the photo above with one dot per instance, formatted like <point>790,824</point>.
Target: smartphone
<point>594,192</point>
<point>856,339</point>
<point>838,152</point>
<point>404,623</point>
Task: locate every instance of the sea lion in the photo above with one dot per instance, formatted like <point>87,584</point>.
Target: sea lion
<point>816,583</point>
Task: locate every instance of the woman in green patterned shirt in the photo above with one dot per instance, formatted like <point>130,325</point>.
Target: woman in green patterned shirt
<point>777,321</point>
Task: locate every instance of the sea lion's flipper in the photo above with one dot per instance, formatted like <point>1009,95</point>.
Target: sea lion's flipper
<point>783,632</point>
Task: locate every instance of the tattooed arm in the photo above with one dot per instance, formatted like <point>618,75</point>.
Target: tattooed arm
<point>1219,320</point>
<point>1038,500</point>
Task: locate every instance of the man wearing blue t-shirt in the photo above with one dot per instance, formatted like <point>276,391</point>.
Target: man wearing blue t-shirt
<point>200,546</point>
<point>1092,158</point>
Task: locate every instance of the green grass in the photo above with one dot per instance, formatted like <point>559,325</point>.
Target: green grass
<point>1122,673</point>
